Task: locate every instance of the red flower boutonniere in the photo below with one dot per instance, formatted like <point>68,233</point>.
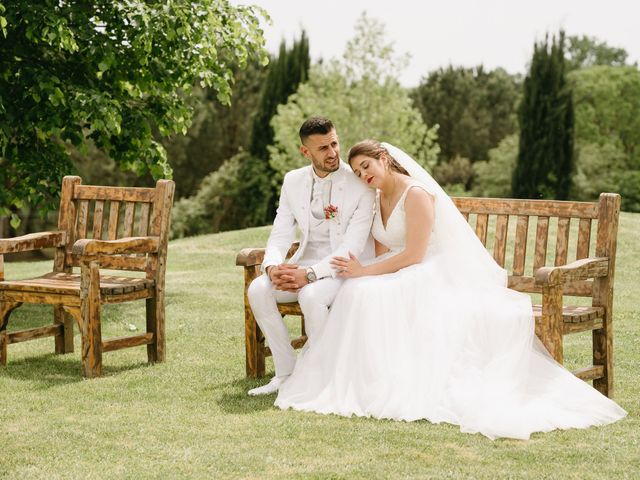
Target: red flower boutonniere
<point>330,212</point>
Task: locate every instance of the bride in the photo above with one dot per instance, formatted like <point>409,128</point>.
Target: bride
<point>428,330</point>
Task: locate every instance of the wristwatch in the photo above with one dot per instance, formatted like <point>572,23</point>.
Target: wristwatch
<point>311,275</point>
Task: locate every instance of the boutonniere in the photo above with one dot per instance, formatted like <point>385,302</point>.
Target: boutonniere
<point>330,212</point>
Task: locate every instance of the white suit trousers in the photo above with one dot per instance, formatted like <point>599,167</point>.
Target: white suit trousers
<point>314,299</point>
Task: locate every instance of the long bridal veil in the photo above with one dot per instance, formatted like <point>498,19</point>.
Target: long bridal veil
<point>466,258</point>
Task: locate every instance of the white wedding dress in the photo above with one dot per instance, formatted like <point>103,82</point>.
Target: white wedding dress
<point>422,343</point>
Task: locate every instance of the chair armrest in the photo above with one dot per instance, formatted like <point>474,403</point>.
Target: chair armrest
<point>578,270</point>
<point>32,241</point>
<point>127,245</point>
<point>248,257</point>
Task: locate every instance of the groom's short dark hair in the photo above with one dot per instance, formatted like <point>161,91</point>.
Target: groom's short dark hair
<point>314,126</point>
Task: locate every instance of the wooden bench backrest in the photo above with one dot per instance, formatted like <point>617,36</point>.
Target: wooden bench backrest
<point>110,213</point>
<point>594,234</point>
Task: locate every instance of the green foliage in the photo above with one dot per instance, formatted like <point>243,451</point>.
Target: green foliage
<point>363,99</point>
<point>114,72</point>
<point>217,132</point>
<point>583,52</point>
<point>225,199</point>
<point>493,177</point>
<point>545,158</point>
<point>473,108</point>
<point>457,171</point>
<point>607,111</point>
<point>286,73</point>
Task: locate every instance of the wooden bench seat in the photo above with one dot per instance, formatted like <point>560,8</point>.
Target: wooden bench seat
<point>69,283</point>
<point>557,249</point>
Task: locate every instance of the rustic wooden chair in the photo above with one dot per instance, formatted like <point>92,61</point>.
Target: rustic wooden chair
<point>80,296</point>
<point>590,275</point>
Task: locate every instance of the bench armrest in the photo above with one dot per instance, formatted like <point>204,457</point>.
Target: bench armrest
<point>578,270</point>
<point>32,241</point>
<point>127,245</point>
<point>248,257</point>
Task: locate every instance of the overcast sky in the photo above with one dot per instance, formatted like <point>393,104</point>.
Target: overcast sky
<point>495,33</point>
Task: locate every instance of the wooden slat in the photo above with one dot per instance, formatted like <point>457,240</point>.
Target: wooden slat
<point>114,216</point>
<point>481,227</point>
<point>289,309</point>
<point>65,283</point>
<point>126,342</point>
<point>81,221</point>
<point>590,373</point>
<point>120,194</point>
<point>575,314</point>
<point>129,217</point>
<point>520,248</point>
<point>584,238</point>
<point>544,208</point>
<point>542,235</point>
<point>33,333</point>
<point>562,241</point>
<point>40,298</point>
<point>97,219</point>
<point>297,342</point>
<point>465,215</point>
<point>144,219</point>
<point>500,243</point>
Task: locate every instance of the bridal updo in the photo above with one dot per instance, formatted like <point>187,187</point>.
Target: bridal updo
<point>374,149</point>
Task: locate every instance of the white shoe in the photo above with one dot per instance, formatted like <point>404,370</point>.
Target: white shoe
<point>270,387</point>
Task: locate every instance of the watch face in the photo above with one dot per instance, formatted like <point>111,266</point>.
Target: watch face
<point>311,276</point>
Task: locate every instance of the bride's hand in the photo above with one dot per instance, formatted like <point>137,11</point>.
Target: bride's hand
<point>348,267</point>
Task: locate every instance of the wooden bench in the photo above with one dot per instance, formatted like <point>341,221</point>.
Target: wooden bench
<point>547,271</point>
<point>109,243</point>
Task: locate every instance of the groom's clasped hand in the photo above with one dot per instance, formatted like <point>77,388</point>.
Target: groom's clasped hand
<point>289,277</point>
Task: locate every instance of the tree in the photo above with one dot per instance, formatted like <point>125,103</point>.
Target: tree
<point>361,96</point>
<point>545,157</point>
<point>493,177</point>
<point>473,108</point>
<point>286,73</point>
<point>607,133</point>
<point>218,131</point>
<point>584,52</point>
<point>240,194</point>
<point>113,72</point>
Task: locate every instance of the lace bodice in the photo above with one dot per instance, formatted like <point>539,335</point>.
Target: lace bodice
<point>394,235</point>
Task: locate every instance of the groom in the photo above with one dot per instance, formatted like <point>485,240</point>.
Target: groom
<point>333,211</point>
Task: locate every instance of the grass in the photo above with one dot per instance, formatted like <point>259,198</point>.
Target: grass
<point>191,418</point>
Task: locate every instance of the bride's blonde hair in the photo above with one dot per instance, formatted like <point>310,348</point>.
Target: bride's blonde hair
<point>374,149</point>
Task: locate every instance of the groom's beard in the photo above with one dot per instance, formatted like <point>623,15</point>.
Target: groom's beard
<point>327,165</point>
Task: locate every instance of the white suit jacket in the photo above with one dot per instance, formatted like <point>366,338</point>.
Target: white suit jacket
<point>349,231</point>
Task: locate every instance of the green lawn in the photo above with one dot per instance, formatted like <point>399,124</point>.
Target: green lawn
<point>191,418</point>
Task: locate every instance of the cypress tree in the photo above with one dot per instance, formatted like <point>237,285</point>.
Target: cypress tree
<point>545,157</point>
<point>288,70</point>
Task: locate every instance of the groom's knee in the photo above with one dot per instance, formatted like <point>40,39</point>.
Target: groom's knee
<point>311,296</point>
<point>259,291</point>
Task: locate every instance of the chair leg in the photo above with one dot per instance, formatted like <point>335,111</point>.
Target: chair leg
<point>155,324</point>
<point>64,342</point>
<point>551,321</point>
<point>90,311</point>
<point>603,355</point>
<point>254,346</point>
<point>5,311</point>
